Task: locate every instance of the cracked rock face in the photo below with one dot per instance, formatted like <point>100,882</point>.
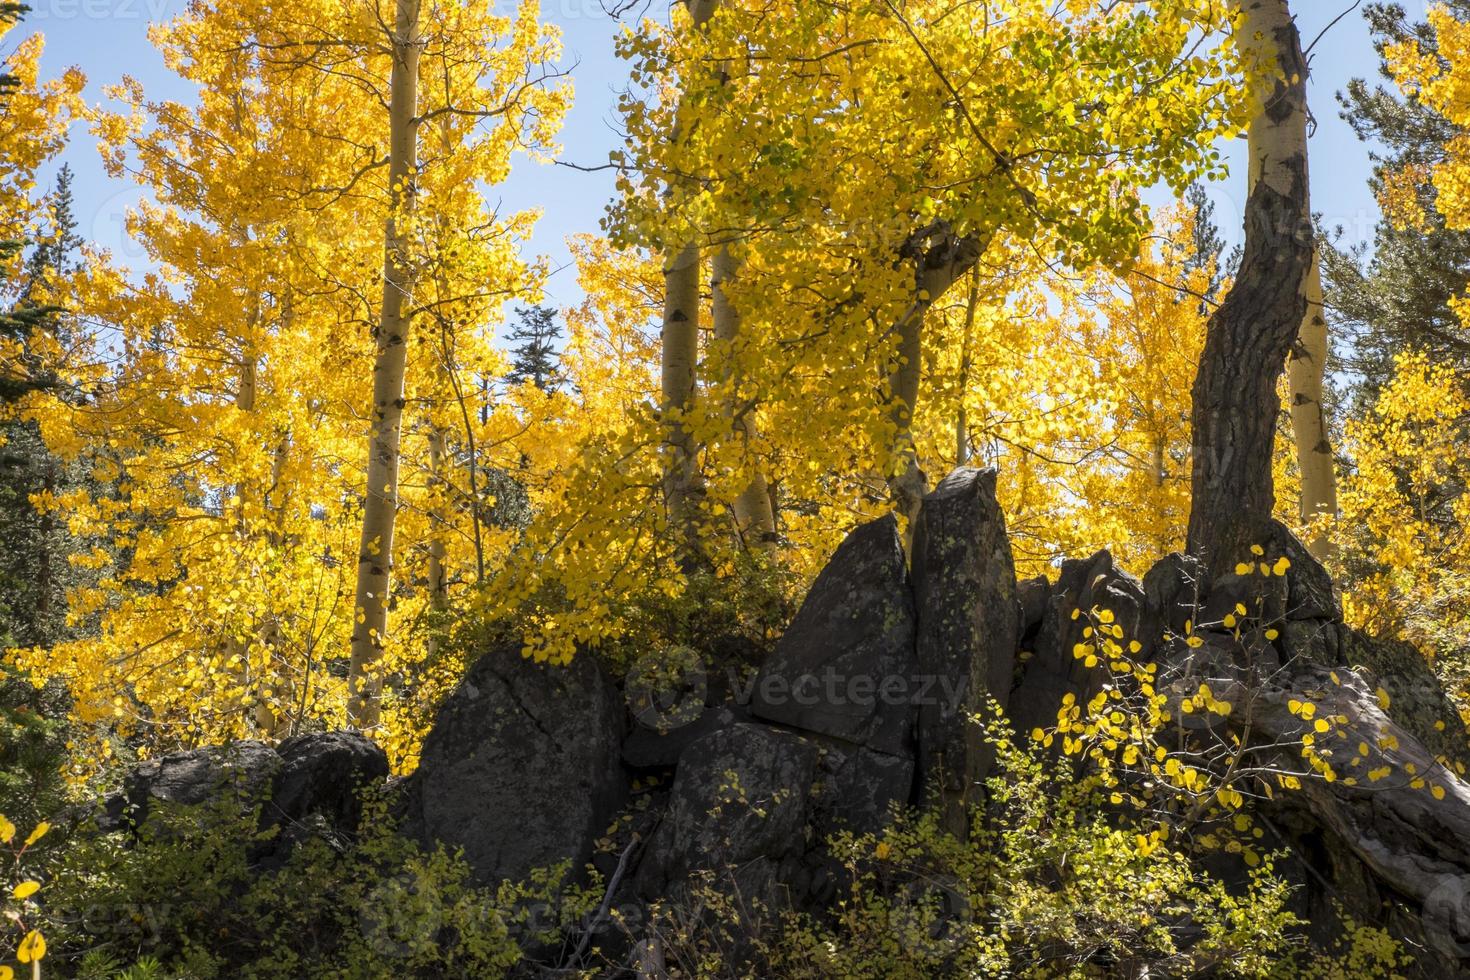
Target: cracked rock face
<point>740,798</point>
<point>968,630</point>
<point>522,766</point>
<point>845,665</point>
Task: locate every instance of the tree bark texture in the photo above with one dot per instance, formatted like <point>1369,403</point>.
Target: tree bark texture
<point>1249,336</point>
<point>380,504</point>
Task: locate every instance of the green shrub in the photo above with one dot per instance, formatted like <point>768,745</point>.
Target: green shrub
<point>187,899</point>
<point>33,747</point>
<point>1051,883</point>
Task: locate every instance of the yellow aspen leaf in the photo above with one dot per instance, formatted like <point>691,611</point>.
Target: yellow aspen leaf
<point>32,948</point>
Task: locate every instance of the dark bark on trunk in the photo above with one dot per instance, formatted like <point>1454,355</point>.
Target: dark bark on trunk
<point>1236,403</point>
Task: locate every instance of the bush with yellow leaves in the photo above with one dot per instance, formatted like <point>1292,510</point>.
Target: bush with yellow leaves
<point>20,898</point>
<point>1060,878</point>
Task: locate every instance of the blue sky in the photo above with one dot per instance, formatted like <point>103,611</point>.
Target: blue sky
<point>108,38</point>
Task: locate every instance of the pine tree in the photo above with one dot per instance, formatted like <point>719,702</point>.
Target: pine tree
<point>1207,247</point>
<point>1397,298</point>
<point>534,354</point>
<point>10,15</point>
<point>34,572</point>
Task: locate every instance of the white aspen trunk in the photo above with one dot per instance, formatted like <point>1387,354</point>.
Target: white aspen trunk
<point>245,398</point>
<point>270,721</point>
<point>380,505</point>
<point>679,337</point>
<point>1305,371</point>
<point>755,519</point>
<point>677,369</point>
<point>1277,136</point>
<point>908,482</point>
<point>438,519</point>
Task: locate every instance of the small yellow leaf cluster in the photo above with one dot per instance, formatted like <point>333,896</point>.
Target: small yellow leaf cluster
<point>1260,566</point>
<point>32,945</point>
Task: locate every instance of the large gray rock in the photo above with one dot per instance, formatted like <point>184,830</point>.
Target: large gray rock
<point>739,801</point>
<point>241,772</point>
<point>1031,597</point>
<point>521,769</point>
<point>323,774</point>
<point>1054,671</point>
<point>1417,699</point>
<point>968,633</point>
<point>317,777</point>
<point>1310,590</point>
<point>647,747</point>
<point>1175,589</point>
<point>858,788</point>
<point>1264,599</point>
<point>845,666</point>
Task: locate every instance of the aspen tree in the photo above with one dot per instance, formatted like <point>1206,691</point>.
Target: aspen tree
<point>755,518</point>
<point>679,361</point>
<point>1235,399</point>
<point>1305,372</point>
<point>286,144</point>
<point>380,502</point>
<point>862,157</point>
